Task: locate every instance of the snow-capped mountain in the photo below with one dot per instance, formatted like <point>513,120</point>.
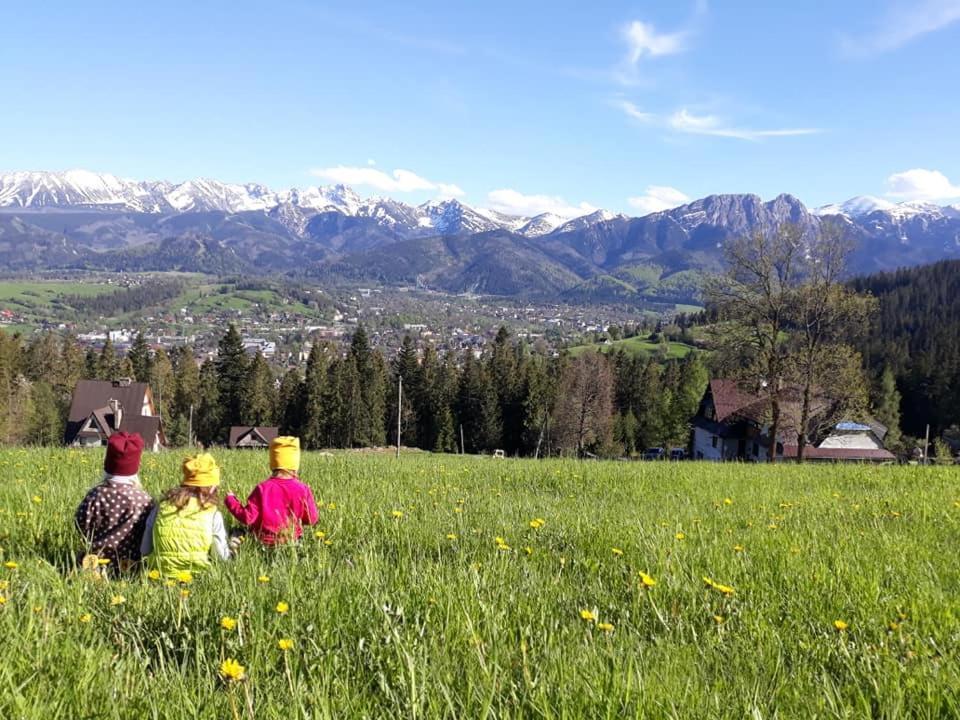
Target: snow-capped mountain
<point>585,221</point>
<point>855,207</point>
<point>293,208</point>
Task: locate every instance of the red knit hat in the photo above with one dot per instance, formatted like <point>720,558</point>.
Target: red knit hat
<point>123,454</point>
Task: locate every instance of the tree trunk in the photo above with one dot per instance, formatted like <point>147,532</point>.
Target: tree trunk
<point>774,427</point>
<point>804,421</point>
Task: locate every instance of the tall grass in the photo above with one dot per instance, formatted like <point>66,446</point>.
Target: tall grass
<point>406,604</point>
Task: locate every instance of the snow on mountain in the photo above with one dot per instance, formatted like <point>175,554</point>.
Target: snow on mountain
<point>584,221</point>
<point>450,217</point>
<point>201,195</point>
<point>542,224</point>
<point>855,207</point>
<point>75,188</point>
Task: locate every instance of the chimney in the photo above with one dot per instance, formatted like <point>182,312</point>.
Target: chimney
<point>117,410</point>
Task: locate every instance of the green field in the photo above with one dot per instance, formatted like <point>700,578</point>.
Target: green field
<point>636,346</point>
<point>431,594</point>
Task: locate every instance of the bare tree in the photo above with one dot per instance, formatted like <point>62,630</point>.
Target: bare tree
<point>755,299</point>
<point>824,314</point>
<point>584,410</point>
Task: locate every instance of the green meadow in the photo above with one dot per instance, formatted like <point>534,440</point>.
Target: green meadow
<point>463,587</point>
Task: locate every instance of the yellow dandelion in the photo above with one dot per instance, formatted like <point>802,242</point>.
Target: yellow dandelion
<point>117,600</point>
<point>228,623</point>
<point>840,625</point>
<point>3,600</point>
<point>263,579</point>
<point>680,536</point>
<point>37,499</point>
<point>893,626</point>
<point>85,618</point>
<point>727,501</point>
<point>738,548</point>
<point>528,550</point>
<point>719,619</point>
<point>722,589</point>
<point>451,536</point>
<point>646,581</point>
<point>616,551</point>
<point>319,534</point>
<point>232,671</point>
<point>328,542</point>
<point>605,627</point>
<point>10,565</point>
<point>285,644</point>
<point>588,615</point>
<point>184,577</point>
<point>397,514</point>
<point>537,523</point>
<point>103,561</point>
<point>283,608</point>
<point>154,575</point>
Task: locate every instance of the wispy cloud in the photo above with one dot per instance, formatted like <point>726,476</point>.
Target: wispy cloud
<point>400,181</point>
<point>634,112</point>
<point>920,184</point>
<point>513,202</point>
<point>657,198</point>
<point>643,40</point>
<point>687,122</point>
<point>900,23</point>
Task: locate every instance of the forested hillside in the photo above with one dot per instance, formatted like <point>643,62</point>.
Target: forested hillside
<point>916,335</point>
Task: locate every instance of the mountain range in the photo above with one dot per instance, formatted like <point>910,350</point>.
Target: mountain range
<point>85,220</point>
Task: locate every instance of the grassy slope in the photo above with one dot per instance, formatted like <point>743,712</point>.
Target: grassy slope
<point>635,346</point>
<point>393,619</point>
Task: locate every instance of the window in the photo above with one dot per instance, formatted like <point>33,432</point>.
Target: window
<point>713,440</point>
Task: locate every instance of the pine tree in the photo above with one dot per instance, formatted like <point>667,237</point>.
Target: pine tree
<point>107,362</point>
<point>162,382</point>
<point>232,364</point>
<point>478,407</point>
<point>290,403</point>
<point>887,408</point>
<point>186,396</point>
<point>47,415</point>
<point>139,355</point>
<point>259,397</point>
<point>405,366</point>
<point>91,365</point>
<point>316,412</point>
<point>207,416</point>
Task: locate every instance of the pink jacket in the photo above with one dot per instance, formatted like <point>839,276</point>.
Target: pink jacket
<point>276,510</point>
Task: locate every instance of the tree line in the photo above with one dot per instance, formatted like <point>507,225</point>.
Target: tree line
<point>506,397</point>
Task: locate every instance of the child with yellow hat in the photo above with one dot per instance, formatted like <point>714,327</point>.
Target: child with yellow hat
<point>281,505</point>
<point>186,525</point>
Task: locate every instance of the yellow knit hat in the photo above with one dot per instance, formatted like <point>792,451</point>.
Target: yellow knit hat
<point>201,471</point>
<point>285,453</point>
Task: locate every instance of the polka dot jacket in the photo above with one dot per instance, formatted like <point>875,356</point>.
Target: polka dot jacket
<point>112,518</point>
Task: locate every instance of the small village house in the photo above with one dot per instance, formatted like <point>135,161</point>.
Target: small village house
<point>733,424</point>
<point>252,437</point>
<point>100,408</point>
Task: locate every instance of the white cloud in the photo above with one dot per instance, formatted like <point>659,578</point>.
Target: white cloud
<point>919,184</point>
<point>643,39</point>
<point>401,181</point>
<point>902,22</point>
<point>512,202</point>
<point>685,121</point>
<point>633,111</point>
<point>657,198</point>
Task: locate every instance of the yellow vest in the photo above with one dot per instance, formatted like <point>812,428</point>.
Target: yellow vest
<point>182,539</point>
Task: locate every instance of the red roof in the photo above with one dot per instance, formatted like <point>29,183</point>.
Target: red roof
<point>728,398</point>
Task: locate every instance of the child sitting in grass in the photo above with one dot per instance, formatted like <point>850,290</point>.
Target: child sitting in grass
<point>280,506</point>
<point>186,526</point>
<point>113,514</point>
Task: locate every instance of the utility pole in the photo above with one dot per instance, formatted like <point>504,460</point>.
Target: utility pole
<point>399,410</point>
<point>462,449</point>
<point>190,427</point>
<point>926,445</point>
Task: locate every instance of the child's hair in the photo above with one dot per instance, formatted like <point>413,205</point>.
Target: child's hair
<point>278,472</point>
<point>181,495</point>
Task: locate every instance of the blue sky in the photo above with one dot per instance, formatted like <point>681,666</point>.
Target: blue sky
<point>521,106</point>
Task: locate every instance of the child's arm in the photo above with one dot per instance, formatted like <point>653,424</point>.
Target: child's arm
<point>310,506</point>
<point>146,542</point>
<point>220,543</point>
<point>246,514</point>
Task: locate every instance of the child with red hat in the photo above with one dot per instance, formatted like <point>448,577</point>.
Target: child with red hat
<point>112,516</point>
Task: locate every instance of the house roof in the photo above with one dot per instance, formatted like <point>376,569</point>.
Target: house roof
<point>848,454</point>
<point>92,397</point>
<point>238,432</point>
<point>728,398</point>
